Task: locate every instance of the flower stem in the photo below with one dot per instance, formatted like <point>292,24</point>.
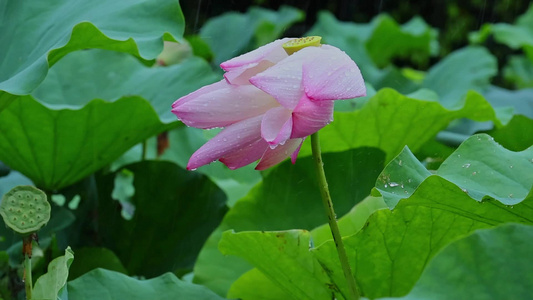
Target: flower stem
<point>328,206</point>
<point>28,283</point>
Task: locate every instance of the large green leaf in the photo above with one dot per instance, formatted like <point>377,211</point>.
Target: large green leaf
<point>288,197</point>
<point>108,285</point>
<point>390,252</point>
<point>88,259</point>
<point>466,69</point>
<point>394,247</point>
<point>230,34</point>
<point>295,271</point>
<point>37,34</point>
<point>390,121</point>
<point>489,264</point>
<point>480,166</point>
<point>56,148</point>
<point>175,211</point>
<point>253,284</point>
<point>52,285</point>
<point>100,74</point>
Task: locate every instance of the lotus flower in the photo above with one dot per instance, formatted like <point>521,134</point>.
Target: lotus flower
<point>268,103</point>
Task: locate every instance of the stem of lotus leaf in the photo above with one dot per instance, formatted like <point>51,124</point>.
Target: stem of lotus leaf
<point>143,153</point>
<point>26,251</point>
<point>328,207</point>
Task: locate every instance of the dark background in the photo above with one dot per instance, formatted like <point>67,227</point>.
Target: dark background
<point>453,18</point>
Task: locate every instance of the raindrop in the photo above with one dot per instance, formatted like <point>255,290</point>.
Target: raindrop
<point>466,166</point>
<point>511,167</point>
<point>400,163</point>
<point>393,184</point>
<point>465,191</point>
<point>474,173</point>
<point>386,185</point>
<point>510,195</point>
<point>409,180</point>
<point>401,186</point>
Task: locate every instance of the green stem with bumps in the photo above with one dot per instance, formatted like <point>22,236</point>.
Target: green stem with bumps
<point>328,207</point>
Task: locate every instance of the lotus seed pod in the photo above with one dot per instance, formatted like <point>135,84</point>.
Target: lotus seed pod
<point>25,209</point>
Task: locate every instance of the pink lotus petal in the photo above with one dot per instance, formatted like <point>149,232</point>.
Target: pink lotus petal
<point>331,77</point>
<point>284,80</point>
<point>279,154</point>
<point>243,75</point>
<point>245,155</point>
<point>230,140</point>
<point>222,104</point>
<point>276,126</point>
<point>294,155</point>
<point>272,52</point>
<point>310,116</point>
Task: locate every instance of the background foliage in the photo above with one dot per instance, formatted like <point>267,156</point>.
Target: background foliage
<point>430,173</point>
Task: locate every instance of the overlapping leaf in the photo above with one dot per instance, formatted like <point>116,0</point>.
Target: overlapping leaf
<point>88,259</point>
<point>272,204</point>
<point>392,250</point>
<point>480,166</point>
<point>108,285</point>
<point>72,135</point>
<point>37,34</point>
<point>490,263</point>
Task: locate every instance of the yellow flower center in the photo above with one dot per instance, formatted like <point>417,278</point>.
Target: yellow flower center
<point>298,44</point>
